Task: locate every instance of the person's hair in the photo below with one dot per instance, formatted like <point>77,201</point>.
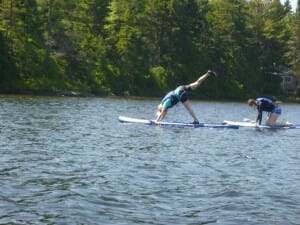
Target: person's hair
<point>251,102</point>
<point>159,109</point>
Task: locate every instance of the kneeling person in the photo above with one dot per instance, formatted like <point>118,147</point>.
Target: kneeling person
<point>267,105</point>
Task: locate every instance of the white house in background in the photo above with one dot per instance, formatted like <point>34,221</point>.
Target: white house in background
<point>290,83</point>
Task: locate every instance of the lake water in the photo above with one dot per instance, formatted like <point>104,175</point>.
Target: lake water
<point>69,161</point>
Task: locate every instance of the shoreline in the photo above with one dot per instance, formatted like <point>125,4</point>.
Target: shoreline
<point>288,99</point>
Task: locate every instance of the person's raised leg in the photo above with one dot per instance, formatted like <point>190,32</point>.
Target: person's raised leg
<point>197,83</point>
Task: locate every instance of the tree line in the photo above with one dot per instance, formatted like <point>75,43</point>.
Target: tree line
<point>146,47</point>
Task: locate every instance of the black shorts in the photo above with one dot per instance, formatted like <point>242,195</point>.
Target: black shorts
<point>182,92</point>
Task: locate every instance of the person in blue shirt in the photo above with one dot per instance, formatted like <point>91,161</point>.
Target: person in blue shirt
<point>267,105</point>
<point>181,94</point>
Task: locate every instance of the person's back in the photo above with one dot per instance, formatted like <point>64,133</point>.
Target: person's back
<point>265,104</point>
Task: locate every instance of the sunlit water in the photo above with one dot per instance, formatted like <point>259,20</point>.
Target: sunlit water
<point>69,161</point>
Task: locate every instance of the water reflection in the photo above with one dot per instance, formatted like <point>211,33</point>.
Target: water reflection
<point>69,161</point>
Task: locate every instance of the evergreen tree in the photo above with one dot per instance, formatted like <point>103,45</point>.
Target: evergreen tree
<point>146,47</point>
<point>8,71</point>
<point>297,55</point>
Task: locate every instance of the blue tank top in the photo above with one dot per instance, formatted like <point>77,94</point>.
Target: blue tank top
<point>169,100</point>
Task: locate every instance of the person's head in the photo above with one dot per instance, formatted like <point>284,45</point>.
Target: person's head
<point>252,102</point>
<point>159,109</point>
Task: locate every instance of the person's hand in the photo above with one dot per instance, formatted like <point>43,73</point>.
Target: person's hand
<point>257,127</point>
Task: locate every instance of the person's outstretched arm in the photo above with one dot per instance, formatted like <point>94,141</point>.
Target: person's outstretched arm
<point>161,115</point>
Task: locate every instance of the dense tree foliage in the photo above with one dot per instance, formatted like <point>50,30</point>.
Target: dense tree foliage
<point>296,45</point>
<point>146,47</point>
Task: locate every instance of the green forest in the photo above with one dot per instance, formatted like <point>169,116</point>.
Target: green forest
<point>147,47</point>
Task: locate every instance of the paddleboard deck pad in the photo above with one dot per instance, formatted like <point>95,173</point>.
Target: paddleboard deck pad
<point>262,126</point>
<point>124,119</point>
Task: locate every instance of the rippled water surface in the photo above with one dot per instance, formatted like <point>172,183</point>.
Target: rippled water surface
<point>69,161</point>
